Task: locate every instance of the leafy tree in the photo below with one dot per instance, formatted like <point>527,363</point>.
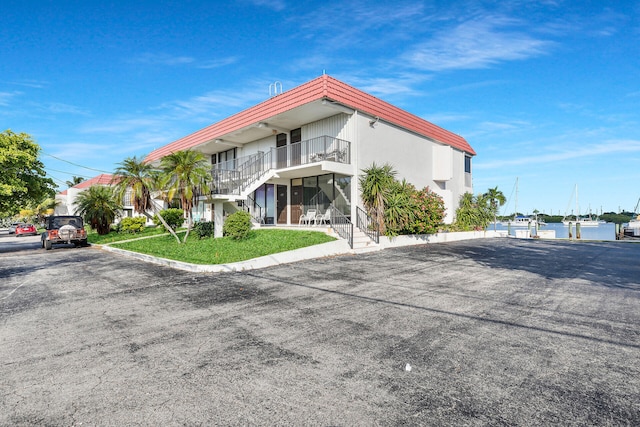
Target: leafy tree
<point>23,181</point>
<point>473,213</point>
<point>46,207</point>
<point>139,179</point>
<point>99,207</point>
<point>186,174</point>
<point>75,180</point>
<point>496,199</point>
<point>375,184</point>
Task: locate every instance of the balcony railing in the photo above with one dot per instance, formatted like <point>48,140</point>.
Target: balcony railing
<point>235,176</point>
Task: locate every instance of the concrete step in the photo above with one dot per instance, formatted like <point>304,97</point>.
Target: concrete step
<point>362,242</point>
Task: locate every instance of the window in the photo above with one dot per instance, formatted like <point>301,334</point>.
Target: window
<point>467,164</point>
<point>322,190</point>
<point>225,159</point>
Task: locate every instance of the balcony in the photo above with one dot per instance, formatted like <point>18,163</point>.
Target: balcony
<point>236,176</point>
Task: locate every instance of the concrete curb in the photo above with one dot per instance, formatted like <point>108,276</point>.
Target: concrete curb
<point>338,247</point>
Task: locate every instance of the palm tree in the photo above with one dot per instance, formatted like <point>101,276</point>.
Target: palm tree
<point>186,174</point>
<point>98,206</point>
<point>46,207</point>
<point>140,179</point>
<point>375,184</point>
<point>496,199</point>
<point>75,180</point>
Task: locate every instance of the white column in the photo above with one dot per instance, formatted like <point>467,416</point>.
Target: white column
<point>218,219</point>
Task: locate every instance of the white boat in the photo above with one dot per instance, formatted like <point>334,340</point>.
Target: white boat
<point>583,221</point>
<point>521,221</point>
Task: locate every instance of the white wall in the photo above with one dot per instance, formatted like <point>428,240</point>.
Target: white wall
<point>335,126</point>
<point>422,162</point>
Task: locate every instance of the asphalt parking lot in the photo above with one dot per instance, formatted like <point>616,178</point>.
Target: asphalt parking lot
<point>483,332</point>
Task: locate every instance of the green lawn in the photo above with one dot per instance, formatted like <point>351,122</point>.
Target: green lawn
<point>225,250</point>
<point>93,237</point>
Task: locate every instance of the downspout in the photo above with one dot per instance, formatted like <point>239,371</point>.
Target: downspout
<point>355,187</point>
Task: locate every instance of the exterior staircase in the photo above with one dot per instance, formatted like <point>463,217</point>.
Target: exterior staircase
<point>363,243</point>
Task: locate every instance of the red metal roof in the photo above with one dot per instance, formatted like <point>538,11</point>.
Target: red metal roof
<point>102,179</point>
<point>323,87</point>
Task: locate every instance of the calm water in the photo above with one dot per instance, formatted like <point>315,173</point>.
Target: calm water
<point>602,232</point>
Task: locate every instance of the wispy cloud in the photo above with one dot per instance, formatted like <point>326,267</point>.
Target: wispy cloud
<point>613,146</point>
<point>37,84</point>
<point>173,61</point>
<point>162,59</point>
<point>440,118</point>
<point>276,5</point>
<point>387,86</point>
<point>477,43</point>
<point>119,126</point>
<point>217,63</point>
<point>60,108</point>
<point>210,104</point>
<point>6,97</point>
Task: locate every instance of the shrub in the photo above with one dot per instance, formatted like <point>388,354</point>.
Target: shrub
<point>133,225</point>
<point>237,225</point>
<point>173,216</point>
<point>428,212</point>
<point>473,213</point>
<point>204,228</point>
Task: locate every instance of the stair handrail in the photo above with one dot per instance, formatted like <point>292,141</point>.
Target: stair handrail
<point>341,225</point>
<point>367,224</point>
<point>253,208</point>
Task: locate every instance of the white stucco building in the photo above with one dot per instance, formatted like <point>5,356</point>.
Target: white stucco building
<point>305,148</point>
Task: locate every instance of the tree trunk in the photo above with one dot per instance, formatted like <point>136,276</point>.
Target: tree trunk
<point>164,223</point>
<point>186,235</point>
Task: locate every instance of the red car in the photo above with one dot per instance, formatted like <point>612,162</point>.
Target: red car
<point>26,230</point>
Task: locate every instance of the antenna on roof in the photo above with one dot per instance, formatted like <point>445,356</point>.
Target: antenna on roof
<point>275,88</point>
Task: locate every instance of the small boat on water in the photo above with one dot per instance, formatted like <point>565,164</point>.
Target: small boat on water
<point>586,221</point>
<point>521,221</point>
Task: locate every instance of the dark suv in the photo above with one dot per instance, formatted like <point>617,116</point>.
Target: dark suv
<point>64,229</point>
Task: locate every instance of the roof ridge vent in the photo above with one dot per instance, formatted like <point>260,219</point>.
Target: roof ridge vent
<point>275,88</point>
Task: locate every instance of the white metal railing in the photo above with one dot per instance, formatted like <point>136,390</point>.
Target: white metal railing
<point>235,176</point>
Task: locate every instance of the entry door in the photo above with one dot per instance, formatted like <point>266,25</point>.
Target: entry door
<point>281,203</point>
<point>296,203</point>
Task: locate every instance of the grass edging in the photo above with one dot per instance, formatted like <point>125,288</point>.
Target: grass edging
<point>337,247</point>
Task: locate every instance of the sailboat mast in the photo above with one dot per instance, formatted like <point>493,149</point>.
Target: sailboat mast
<point>516,213</point>
<point>577,205</point>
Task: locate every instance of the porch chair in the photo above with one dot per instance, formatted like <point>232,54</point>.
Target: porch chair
<point>324,218</point>
<point>308,217</point>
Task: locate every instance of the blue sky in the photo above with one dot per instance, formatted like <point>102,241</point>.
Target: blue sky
<point>547,92</point>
